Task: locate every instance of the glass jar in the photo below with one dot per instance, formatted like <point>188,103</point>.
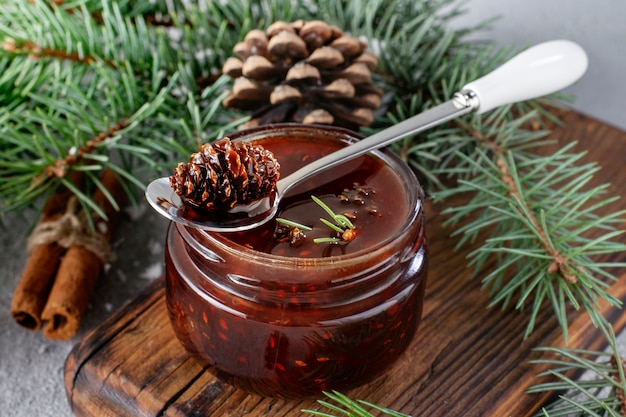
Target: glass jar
<point>293,326</point>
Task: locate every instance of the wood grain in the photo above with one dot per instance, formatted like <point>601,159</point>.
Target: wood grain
<point>466,360</point>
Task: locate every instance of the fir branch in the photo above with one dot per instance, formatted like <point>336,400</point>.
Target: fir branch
<point>134,85</point>
<point>349,407</point>
<point>592,383</point>
<point>61,166</point>
<point>538,230</point>
<point>85,101</point>
<point>76,35</point>
<point>57,138</point>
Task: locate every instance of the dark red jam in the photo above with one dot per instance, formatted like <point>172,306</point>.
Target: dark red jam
<point>365,190</point>
<point>287,319</point>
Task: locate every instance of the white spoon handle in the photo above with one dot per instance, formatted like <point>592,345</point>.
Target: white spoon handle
<point>540,70</point>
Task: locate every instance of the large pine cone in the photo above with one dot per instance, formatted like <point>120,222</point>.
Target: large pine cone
<point>225,174</point>
<point>305,72</point>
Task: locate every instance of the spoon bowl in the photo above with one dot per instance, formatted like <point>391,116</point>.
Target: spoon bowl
<point>165,201</point>
<point>538,71</point>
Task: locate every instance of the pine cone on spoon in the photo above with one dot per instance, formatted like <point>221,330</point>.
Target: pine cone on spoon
<point>224,174</point>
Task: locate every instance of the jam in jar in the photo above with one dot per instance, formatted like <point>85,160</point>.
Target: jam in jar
<point>292,319</point>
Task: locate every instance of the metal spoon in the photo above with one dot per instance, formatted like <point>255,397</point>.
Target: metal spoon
<point>538,71</point>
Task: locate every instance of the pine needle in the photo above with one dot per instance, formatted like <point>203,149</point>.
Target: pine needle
<point>135,86</point>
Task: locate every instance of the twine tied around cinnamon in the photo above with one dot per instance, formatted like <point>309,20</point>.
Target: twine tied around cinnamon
<point>71,229</point>
<point>65,259</point>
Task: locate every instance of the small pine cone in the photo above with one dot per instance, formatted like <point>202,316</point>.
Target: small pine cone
<point>224,174</point>
<point>304,72</point>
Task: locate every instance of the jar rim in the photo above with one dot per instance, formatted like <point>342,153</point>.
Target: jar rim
<point>413,188</point>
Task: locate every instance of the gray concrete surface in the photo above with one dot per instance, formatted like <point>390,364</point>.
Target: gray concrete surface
<point>31,367</point>
<point>597,25</point>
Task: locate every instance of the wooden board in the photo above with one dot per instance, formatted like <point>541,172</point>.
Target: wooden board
<point>466,360</point>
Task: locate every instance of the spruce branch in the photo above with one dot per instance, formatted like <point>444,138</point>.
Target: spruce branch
<point>83,99</point>
<point>539,215</point>
<point>591,383</point>
<point>135,85</point>
<point>79,127</point>
<point>344,405</point>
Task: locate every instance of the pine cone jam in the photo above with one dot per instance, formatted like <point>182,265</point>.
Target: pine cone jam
<point>225,174</point>
<point>282,316</point>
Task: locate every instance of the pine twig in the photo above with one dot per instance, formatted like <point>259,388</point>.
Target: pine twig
<point>349,407</point>
<point>147,74</point>
<point>539,219</point>
<point>559,263</point>
<point>617,363</point>
<point>61,166</point>
<point>34,51</point>
<point>592,383</point>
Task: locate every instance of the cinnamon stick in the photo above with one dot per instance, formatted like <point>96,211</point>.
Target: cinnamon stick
<point>69,298</point>
<point>31,292</point>
<point>80,269</point>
